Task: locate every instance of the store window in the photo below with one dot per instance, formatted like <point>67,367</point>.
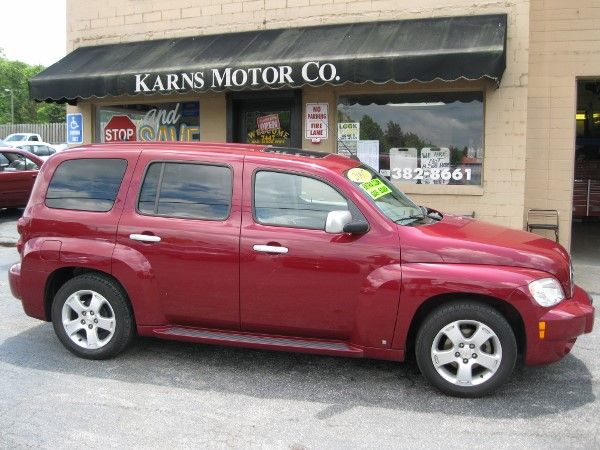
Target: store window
<point>148,122</point>
<point>433,138</point>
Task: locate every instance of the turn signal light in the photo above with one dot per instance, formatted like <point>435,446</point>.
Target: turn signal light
<point>542,329</point>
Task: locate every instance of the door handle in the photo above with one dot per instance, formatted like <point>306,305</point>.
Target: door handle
<point>270,249</point>
<point>144,238</point>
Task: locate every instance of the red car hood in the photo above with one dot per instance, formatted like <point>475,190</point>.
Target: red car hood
<point>456,239</point>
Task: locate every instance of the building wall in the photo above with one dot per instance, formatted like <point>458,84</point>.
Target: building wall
<point>501,197</point>
<point>564,46</point>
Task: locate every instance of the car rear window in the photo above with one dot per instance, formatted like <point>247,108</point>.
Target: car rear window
<point>86,184</point>
<point>187,190</point>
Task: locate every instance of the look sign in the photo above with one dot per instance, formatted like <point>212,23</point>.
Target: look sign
<point>313,72</point>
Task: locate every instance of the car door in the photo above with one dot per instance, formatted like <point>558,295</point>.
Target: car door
<point>298,280</point>
<point>183,217</point>
<point>17,176</point>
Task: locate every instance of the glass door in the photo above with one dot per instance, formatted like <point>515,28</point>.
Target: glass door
<point>270,121</point>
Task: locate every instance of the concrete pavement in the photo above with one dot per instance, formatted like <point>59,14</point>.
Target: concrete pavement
<point>8,226</point>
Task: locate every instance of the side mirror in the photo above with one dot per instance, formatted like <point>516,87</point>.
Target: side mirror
<point>356,227</point>
<point>336,221</point>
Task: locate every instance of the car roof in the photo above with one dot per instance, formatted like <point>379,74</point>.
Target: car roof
<point>264,151</point>
<point>28,143</point>
<point>21,134</point>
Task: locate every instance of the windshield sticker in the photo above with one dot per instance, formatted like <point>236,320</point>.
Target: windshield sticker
<point>375,188</point>
<point>358,175</point>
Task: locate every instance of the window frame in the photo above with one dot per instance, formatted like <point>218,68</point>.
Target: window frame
<point>351,206</point>
<point>120,186</point>
<point>191,162</point>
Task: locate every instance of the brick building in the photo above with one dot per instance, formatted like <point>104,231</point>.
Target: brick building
<point>491,107</point>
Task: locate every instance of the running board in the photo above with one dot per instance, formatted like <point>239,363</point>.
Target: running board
<point>259,341</point>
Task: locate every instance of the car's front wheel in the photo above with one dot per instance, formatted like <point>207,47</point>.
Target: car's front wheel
<point>466,349</point>
<point>92,317</point>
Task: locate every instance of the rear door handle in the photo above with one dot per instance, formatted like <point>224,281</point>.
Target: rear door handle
<point>144,238</point>
<point>270,249</point>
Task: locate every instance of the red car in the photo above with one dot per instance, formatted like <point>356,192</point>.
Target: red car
<point>18,171</point>
<point>290,250</point>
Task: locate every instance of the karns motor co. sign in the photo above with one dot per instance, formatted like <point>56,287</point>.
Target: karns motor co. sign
<point>312,72</point>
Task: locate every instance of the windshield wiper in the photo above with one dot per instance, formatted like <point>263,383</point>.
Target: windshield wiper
<point>413,217</point>
<point>431,214</point>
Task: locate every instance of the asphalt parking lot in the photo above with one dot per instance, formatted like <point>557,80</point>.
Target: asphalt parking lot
<point>166,394</point>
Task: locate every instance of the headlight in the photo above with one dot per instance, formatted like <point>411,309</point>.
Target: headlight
<point>547,291</point>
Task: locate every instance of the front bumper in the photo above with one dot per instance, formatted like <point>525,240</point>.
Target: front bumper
<point>552,332</point>
<point>14,280</point>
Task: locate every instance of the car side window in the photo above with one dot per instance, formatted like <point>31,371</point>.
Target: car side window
<point>40,150</point>
<point>291,200</point>
<point>89,184</point>
<point>186,190</point>
<point>14,162</point>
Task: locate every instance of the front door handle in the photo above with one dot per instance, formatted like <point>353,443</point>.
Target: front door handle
<point>270,249</point>
<point>144,237</point>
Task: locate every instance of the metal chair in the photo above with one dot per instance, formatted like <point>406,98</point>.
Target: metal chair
<point>543,219</point>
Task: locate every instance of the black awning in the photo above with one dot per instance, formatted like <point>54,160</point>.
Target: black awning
<point>448,49</point>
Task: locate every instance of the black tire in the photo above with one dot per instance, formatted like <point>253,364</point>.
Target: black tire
<point>436,328</point>
<point>118,308</point>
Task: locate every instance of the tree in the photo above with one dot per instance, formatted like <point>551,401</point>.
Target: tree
<point>394,135</point>
<point>14,76</point>
<point>370,130</point>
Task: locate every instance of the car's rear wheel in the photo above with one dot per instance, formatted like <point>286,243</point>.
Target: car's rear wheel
<point>92,317</point>
<point>466,349</point>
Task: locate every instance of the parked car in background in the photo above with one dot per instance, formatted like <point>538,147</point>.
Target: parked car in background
<point>18,171</point>
<point>15,138</point>
<point>285,249</point>
<point>41,149</point>
<point>60,146</point>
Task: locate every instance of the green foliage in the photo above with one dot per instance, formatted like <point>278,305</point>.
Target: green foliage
<point>392,137</point>
<point>370,130</point>
<point>14,76</point>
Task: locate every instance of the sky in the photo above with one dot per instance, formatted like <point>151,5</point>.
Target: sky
<point>33,31</point>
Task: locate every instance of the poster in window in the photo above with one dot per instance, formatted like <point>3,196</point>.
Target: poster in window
<point>268,127</point>
<point>152,122</point>
<point>368,153</point>
<point>404,161</point>
<point>433,163</point>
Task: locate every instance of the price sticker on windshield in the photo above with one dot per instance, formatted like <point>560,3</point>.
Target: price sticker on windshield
<point>375,188</point>
<point>358,175</point>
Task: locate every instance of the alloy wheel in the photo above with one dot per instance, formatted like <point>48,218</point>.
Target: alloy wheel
<point>88,319</point>
<point>466,353</point>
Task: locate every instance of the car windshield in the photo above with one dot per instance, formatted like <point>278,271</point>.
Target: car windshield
<point>387,197</point>
<point>16,137</point>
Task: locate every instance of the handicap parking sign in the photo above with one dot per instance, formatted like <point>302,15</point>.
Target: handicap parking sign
<point>74,128</point>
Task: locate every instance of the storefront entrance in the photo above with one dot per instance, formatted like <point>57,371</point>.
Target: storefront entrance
<point>586,188</point>
<point>272,118</point>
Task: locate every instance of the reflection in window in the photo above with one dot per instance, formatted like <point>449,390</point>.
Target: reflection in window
<point>14,162</point>
<point>434,138</point>
<point>294,201</point>
<point>86,184</point>
<point>196,191</point>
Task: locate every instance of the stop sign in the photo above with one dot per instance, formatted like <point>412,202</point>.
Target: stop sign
<point>119,128</point>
